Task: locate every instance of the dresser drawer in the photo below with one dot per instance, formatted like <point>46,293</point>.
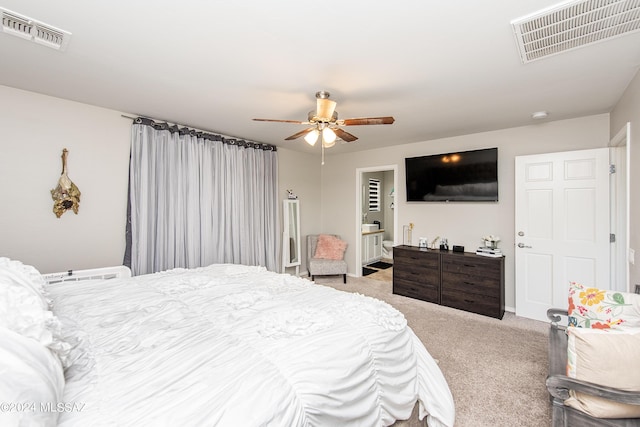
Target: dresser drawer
<point>489,268</point>
<point>416,258</point>
<point>416,273</point>
<point>465,283</point>
<point>424,292</point>
<point>475,303</point>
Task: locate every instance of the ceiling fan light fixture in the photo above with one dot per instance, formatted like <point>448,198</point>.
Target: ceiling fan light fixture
<point>325,108</point>
<point>312,137</point>
<point>328,136</point>
<point>327,144</point>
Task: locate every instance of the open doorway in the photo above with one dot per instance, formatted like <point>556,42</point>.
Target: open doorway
<point>375,240</point>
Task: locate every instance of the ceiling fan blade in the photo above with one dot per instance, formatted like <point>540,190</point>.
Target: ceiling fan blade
<point>298,122</point>
<point>299,134</point>
<point>345,136</point>
<point>368,121</point>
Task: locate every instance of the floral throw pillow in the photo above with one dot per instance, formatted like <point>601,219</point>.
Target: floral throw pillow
<point>602,309</point>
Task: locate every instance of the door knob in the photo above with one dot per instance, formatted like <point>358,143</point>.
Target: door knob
<point>522,245</point>
<point>520,233</point>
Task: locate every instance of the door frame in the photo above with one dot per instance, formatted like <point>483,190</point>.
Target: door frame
<point>358,217</point>
<point>620,208</point>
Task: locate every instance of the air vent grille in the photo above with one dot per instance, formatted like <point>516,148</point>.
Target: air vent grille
<point>30,29</point>
<point>16,25</point>
<point>574,24</point>
<point>49,36</point>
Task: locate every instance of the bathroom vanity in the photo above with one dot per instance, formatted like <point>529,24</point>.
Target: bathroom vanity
<point>371,246</point>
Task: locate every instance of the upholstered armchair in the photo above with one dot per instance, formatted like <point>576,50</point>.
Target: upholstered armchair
<point>594,362</point>
<point>325,256</point>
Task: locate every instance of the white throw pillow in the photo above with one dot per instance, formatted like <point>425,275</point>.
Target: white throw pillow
<point>609,358</point>
<point>24,308</point>
<point>31,376</point>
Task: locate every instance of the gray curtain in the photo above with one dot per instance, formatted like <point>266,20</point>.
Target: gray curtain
<point>198,198</point>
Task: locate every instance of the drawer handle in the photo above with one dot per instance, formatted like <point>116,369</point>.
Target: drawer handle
<point>469,300</point>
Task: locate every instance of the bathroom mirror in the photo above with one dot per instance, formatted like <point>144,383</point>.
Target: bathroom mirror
<point>291,235</point>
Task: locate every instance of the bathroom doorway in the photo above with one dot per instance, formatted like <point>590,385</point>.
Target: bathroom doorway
<point>373,247</point>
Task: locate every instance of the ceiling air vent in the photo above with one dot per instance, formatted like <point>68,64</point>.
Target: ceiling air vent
<point>573,24</point>
<point>30,29</point>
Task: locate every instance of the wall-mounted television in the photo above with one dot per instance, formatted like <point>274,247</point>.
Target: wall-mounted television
<point>463,176</point>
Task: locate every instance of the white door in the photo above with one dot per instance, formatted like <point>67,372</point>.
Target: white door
<point>562,227</point>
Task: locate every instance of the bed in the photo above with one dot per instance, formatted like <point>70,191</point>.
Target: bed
<point>223,345</point>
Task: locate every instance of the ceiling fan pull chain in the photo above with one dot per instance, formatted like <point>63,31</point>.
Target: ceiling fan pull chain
<point>322,153</point>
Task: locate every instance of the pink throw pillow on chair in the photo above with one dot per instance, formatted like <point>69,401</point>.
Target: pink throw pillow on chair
<point>330,247</point>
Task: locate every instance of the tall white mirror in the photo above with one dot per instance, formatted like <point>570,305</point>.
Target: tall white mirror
<point>291,235</point>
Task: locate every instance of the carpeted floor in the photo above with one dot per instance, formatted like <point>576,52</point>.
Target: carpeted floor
<point>496,369</point>
<point>385,275</point>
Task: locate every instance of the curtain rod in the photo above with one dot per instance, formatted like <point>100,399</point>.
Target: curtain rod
<point>179,125</point>
<point>273,147</point>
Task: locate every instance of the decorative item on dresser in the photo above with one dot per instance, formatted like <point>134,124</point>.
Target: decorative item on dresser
<point>459,280</point>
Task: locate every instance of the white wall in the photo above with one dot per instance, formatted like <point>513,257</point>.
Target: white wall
<point>34,130</point>
<point>628,110</point>
<point>462,223</point>
<point>300,172</point>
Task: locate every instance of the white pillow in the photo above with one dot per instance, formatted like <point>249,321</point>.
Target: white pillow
<point>26,276</point>
<point>24,308</point>
<point>31,375</point>
<point>605,357</point>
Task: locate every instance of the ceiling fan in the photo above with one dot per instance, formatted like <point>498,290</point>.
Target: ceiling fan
<point>324,122</point>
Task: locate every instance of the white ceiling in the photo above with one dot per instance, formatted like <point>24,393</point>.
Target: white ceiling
<point>441,68</point>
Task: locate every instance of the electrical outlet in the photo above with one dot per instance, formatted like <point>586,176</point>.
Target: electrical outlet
<point>632,256</point>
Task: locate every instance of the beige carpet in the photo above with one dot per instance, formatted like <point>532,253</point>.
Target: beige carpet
<point>385,275</point>
<point>496,369</point>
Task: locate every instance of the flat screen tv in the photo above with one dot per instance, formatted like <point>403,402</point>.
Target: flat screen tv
<point>464,176</point>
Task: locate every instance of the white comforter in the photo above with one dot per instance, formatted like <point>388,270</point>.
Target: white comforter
<point>231,345</point>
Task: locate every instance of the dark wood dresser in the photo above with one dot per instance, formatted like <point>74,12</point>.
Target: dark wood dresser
<point>461,280</point>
